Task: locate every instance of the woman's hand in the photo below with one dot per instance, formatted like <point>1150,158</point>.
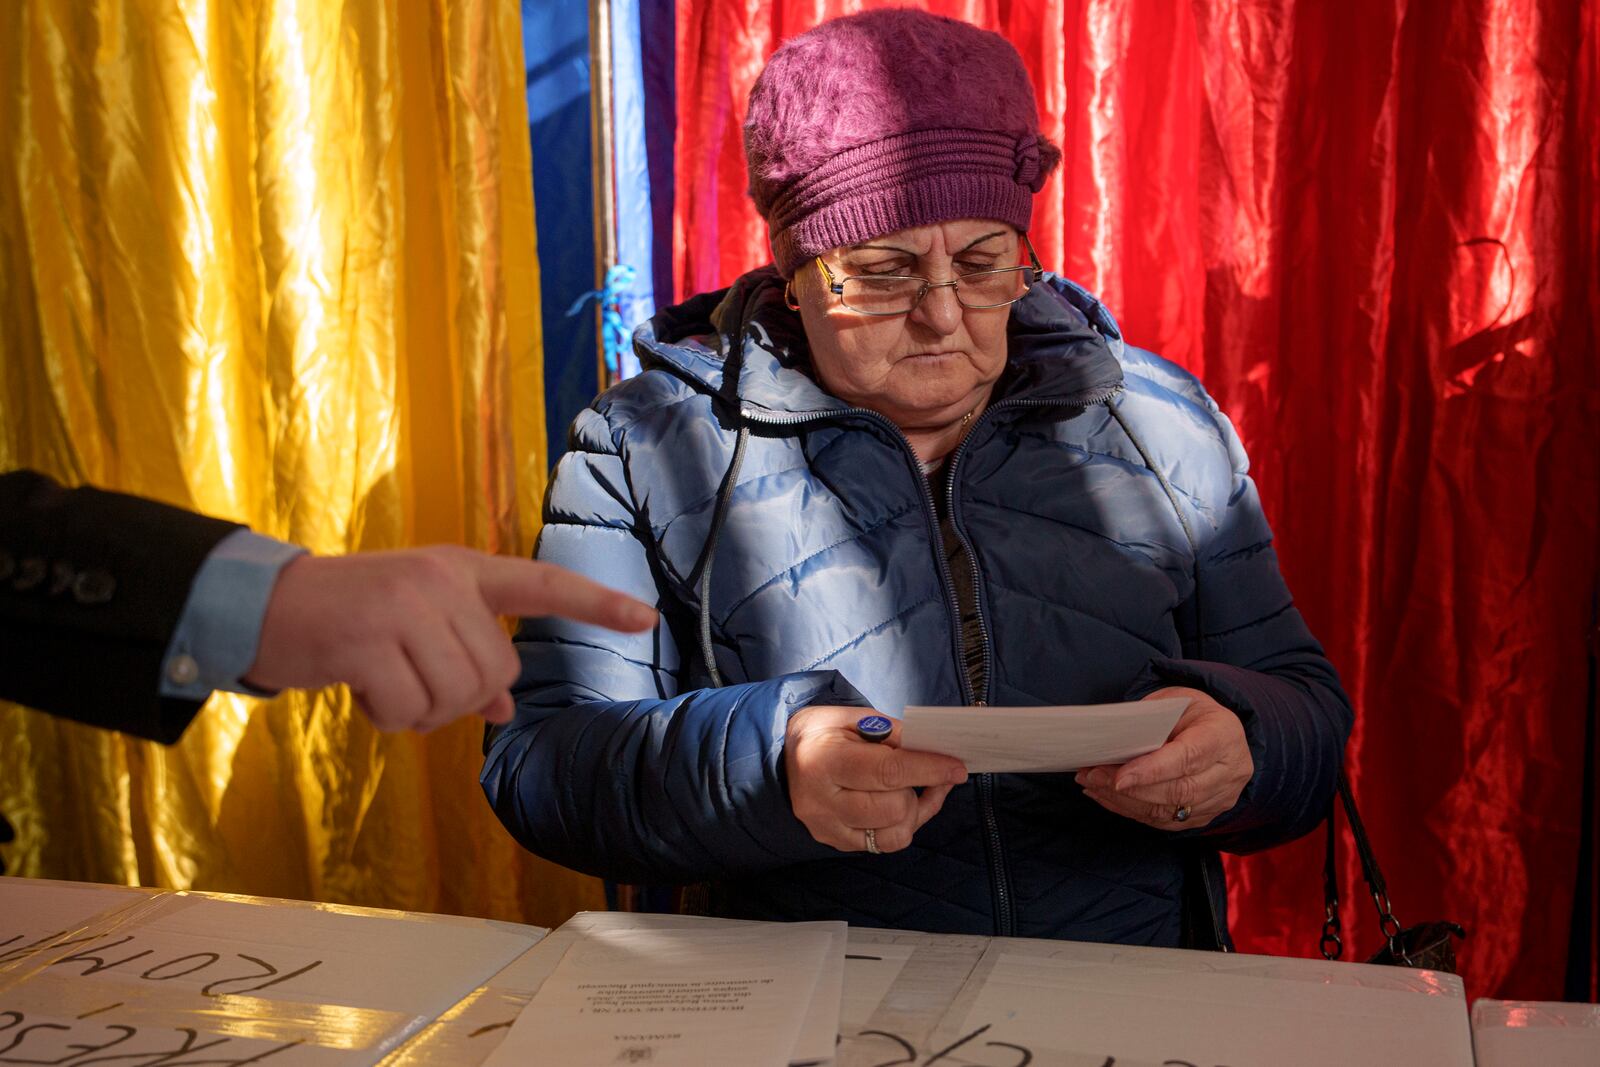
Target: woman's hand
<point>1203,767</point>
<point>842,785</point>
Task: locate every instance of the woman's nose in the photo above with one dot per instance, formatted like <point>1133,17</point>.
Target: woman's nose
<point>939,310</point>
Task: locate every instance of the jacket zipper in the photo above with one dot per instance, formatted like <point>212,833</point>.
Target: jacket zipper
<point>1005,924</point>
<point>994,849</point>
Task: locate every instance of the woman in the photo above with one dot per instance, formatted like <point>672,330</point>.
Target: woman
<point>899,467</point>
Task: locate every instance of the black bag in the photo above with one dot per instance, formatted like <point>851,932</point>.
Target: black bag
<point>1427,946</point>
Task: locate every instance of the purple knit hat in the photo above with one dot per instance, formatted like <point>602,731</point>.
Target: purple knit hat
<point>890,119</point>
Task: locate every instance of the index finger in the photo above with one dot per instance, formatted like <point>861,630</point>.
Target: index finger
<point>893,740</point>
<point>866,765</point>
<point>528,587</point>
<point>1181,757</point>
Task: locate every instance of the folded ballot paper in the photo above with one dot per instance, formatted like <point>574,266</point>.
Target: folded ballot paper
<point>672,990</point>
<point>1044,739</point>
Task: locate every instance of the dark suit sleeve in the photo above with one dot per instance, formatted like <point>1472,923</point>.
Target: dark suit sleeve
<point>92,585</point>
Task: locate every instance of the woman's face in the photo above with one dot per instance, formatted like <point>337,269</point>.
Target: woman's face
<point>925,369</point>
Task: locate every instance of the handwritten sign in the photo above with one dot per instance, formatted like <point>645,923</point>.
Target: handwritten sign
<point>871,965</point>
<point>180,977</point>
<point>978,1002</point>
<point>1108,1005</point>
<point>60,905</point>
<point>465,1035</point>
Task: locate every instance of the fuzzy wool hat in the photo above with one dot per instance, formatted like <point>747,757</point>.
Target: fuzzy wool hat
<point>890,119</point>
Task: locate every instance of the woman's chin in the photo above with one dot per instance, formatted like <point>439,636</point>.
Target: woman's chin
<point>928,412</point>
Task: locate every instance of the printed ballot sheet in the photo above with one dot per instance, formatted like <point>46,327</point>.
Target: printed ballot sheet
<point>703,993</point>
<point>1076,1004</point>
<point>820,1031</point>
<point>1043,739</point>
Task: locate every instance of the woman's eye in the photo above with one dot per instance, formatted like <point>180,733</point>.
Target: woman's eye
<point>973,268</point>
<point>881,268</point>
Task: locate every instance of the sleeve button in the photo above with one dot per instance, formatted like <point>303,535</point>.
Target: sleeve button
<point>182,670</point>
<point>93,587</point>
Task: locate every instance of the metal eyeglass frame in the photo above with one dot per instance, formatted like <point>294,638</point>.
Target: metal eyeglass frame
<point>836,285</point>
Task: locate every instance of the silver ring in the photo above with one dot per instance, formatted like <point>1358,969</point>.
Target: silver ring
<point>1181,815</point>
<point>872,842</point>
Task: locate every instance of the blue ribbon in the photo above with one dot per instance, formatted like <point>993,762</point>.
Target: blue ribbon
<point>616,301</point>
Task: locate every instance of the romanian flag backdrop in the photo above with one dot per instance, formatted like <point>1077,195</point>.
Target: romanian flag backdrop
<point>276,260</point>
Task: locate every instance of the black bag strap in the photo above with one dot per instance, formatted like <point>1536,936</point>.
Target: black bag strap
<point>1332,943</point>
<point>1332,933</point>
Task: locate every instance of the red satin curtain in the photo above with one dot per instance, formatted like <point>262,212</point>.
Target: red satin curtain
<point>1372,228</point>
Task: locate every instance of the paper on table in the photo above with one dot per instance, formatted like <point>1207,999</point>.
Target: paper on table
<point>869,971</point>
<point>1044,739</point>
<point>465,1035</point>
<point>1069,1003</point>
<point>820,1031</point>
<point>669,997</point>
<point>475,1027</point>
<point>899,1027</point>
<point>240,977</point>
<point>39,909</point>
<point>1506,1033</point>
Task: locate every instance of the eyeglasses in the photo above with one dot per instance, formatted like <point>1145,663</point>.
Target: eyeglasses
<point>899,294</point>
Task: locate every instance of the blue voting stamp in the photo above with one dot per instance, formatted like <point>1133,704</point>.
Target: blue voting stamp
<point>874,727</point>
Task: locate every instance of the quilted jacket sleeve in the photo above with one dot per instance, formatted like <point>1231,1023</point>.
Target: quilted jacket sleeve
<point>1246,644</point>
<point>608,767</point>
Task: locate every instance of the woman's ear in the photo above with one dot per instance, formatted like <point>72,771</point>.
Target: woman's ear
<point>805,278</point>
<point>803,286</point>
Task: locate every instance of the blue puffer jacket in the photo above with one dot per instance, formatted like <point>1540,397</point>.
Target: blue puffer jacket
<point>1119,546</point>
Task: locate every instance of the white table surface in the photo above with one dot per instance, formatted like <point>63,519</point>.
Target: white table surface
<point>968,1001</point>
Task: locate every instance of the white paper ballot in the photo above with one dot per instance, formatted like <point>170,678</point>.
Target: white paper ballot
<point>722,997</point>
<point>820,1031</point>
<point>1044,739</point>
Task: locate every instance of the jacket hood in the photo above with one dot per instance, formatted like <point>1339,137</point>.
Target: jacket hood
<point>744,344</point>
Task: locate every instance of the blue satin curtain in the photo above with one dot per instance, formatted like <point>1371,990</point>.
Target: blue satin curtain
<point>555,40</point>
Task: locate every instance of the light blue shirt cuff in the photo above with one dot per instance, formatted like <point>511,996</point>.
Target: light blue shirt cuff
<point>220,628</point>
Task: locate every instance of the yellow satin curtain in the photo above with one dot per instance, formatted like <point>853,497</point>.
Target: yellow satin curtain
<point>275,261</point>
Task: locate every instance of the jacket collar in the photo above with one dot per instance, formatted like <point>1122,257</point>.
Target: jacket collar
<point>743,344</point>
